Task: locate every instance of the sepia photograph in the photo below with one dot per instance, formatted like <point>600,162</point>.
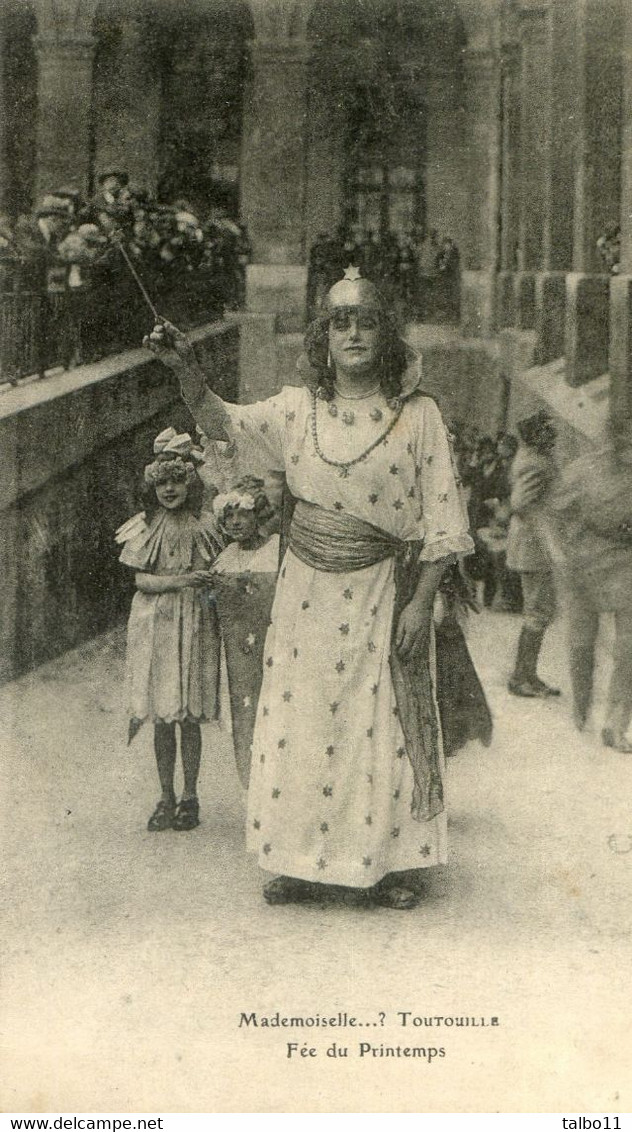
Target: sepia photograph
<point>316,557</point>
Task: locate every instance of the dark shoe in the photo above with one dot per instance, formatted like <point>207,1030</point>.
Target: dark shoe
<point>580,715</point>
<point>187,815</point>
<point>526,666</point>
<point>162,817</point>
<point>546,689</point>
<point>617,742</point>
<point>528,688</point>
<point>396,896</point>
<point>288,890</point>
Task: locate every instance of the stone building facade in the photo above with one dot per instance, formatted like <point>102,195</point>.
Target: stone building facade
<point>297,113</point>
<point>505,124</point>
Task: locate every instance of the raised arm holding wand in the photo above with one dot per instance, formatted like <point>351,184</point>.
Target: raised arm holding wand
<point>176,351</point>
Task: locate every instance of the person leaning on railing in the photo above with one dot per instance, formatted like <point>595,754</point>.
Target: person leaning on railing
<point>42,272</point>
<point>73,298</point>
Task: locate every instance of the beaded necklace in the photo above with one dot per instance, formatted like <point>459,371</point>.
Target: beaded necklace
<point>344,465</point>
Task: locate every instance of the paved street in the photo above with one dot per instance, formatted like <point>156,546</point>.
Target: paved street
<point>129,956</point>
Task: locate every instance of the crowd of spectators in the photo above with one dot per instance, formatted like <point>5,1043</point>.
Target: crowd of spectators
<point>484,464</point>
<point>67,255</point>
<point>609,248</point>
<point>420,274</point>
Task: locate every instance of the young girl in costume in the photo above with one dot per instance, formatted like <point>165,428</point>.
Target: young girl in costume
<point>244,515</point>
<point>172,636</point>
<point>245,579</point>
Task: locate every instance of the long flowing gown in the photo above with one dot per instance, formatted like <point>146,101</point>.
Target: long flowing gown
<point>331,784</point>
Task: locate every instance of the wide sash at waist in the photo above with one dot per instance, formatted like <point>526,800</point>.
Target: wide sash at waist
<point>338,542</point>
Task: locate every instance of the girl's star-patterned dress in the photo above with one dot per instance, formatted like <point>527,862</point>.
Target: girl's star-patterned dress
<point>331,784</point>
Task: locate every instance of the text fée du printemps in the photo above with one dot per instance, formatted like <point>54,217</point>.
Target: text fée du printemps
<point>422,1037</point>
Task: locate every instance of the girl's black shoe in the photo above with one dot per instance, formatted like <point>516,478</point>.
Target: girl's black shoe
<point>187,815</point>
<point>162,817</point>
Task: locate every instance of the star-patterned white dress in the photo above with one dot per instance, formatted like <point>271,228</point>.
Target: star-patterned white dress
<point>331,784</point>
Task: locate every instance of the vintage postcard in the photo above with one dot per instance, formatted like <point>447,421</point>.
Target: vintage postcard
<point>316,562</point>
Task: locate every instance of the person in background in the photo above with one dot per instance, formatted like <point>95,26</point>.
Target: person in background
<point>590,537</point>
<point>448,282</point>
<point>527,549</point>
<point>42,271</point>
<point>428,270</point>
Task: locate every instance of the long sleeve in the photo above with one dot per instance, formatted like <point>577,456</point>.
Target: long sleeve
<point>445,522</point>
<point>258,431</point>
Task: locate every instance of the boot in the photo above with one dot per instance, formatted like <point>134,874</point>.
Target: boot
<point>581,662</point>
<point>524,680</point>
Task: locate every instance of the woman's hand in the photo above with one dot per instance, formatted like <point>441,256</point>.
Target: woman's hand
<point>167,583</point>
<point>192,580</point>
<point>170,345</point>
<point>413,629</point>
<point>198,578</point>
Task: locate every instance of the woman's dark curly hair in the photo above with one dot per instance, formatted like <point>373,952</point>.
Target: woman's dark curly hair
<point>192,503</point>
<point>394,356</point>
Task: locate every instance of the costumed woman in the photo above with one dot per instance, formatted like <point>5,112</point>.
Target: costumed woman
<point>346,786</point>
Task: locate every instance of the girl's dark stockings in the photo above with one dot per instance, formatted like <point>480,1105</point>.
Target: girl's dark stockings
<point>165,748</point>
<point>191,750</point>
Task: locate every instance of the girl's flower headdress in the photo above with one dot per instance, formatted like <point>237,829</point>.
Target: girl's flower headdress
<point>176,459</point>
<point>241,500</point>
<point>176,470</point>
<point>171,443</point>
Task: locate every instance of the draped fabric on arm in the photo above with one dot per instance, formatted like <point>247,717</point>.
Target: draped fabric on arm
<point>446,527</point>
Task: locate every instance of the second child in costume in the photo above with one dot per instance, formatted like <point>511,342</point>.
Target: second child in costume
<point>172,635</point>
<point>245,579</point>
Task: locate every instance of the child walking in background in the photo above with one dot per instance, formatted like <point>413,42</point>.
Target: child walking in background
<point>173,646</point>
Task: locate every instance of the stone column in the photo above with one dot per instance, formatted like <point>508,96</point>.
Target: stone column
<point>64,110</point>
<point>127,107</point>
<point>557,205</point>
<point>597,183</point>
<point>509,184</point>
<point>482,98</point>
<point>325,159</point>
<point>621,285</point>
<point>510,157</point>
<point>533,92</point>
<point>446,174</point>
<point>273,175</point>
<point>4,94</point>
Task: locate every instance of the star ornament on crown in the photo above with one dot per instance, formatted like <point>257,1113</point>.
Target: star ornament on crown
<point>353,291</point>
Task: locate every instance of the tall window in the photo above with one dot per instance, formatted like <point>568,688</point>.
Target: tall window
<point>385,179</point>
